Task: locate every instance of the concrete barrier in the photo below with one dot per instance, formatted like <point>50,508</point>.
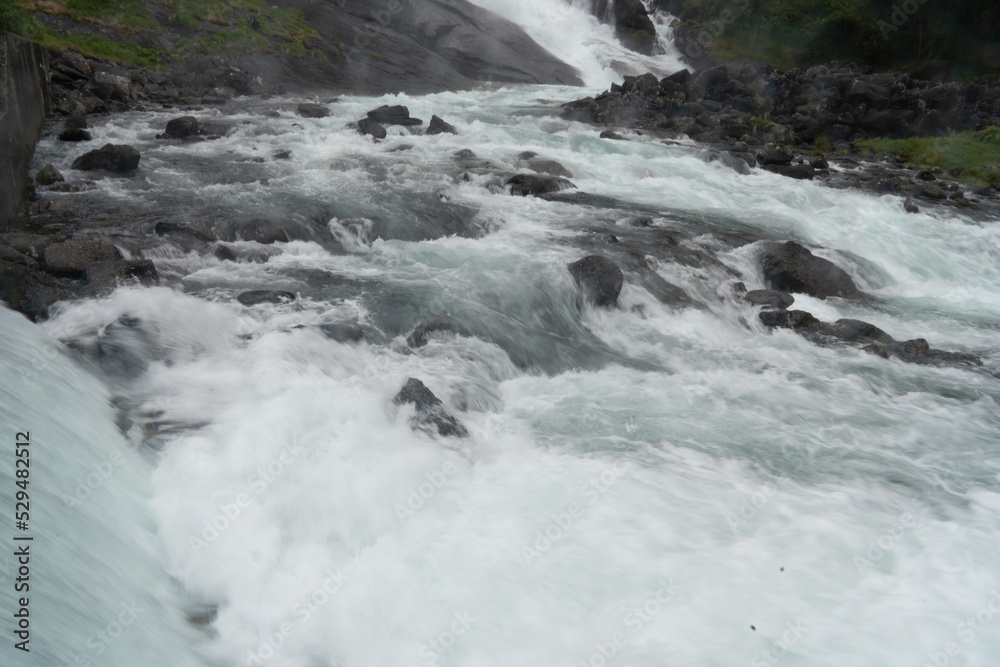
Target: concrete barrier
<point>24,103</point>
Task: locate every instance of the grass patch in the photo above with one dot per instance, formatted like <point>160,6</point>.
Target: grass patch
<point>126,16</point>
<point>13,18</point>
<point>227,43</point>
<point>101,47</point>
<point>971,157</point>
<point>294,49</point>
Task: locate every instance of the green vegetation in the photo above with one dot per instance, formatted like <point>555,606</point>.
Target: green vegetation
<point>243,26</point>
<point>101,47</point>
<point>887,35</point>
<point>13,18</point>
<point>972,157</point>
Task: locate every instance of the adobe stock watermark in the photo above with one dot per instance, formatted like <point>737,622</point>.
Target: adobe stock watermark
<point>635,619</point>
<point>419,495</point>
<point>102,471</point>
<point>229,512</point>
<point>563,521</point>
<point>966,631</point>
<point>884,542</point>
<point>791,637</point>
<point>102,639</point>
<point>901,13</point>
<point>442,643</point>
<point>749,508</point>
<point>301,611</point>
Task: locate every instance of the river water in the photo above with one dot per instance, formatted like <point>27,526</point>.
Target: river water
<point>664,483</point>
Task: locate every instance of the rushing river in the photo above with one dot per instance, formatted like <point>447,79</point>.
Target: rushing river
<point>656,484</point>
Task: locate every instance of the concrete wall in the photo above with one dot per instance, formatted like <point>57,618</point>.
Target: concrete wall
<point>24,103</point>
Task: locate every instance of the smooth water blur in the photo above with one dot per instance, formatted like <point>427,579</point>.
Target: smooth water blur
<point>97,591</point>
<point>641,485</point>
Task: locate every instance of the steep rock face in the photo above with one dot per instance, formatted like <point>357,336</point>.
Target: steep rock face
<point>417,47</point>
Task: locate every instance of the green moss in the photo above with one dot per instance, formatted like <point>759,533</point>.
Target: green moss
<point>185,20</point>
<point>318,54</point>
<point>822,143</point>
<point>229,42</point>
<point>375,56</point>
<point>971,157</point>
<point>101,47</point>
<point>294,49</point>
<point>14,19</point>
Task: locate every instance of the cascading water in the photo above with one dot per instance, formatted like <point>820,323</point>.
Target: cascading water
<point>569,30</point>
<point>645,485</point>
<point>96,589</point>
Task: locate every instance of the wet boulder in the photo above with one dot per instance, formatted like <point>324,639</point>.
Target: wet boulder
<point>633,27</point>
<point>48,175</point>
<point>438,126</point>
<point>75,134</point>
<point>797,320</point>
<point>919,351</point>
<point>536,184</point>
<point>371,128</point>
<point>181,128</point>
<point>769,298</point>
<point>259,230</point>
<point>393,115</point>
<point>310,110</point>
<point>789,267</point>
<point>430,416</point>
<point>256,297</point>
<point>598,278</point>
<point>31,292</point>
<point>550,167</point>
<point>110,157</point>
<point>71,259</point>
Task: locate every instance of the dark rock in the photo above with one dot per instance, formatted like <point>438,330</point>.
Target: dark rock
<point>535,184</point>
<point>75,134</point>
<point>111,157</point>
<point>48,175</point>
<point>309,110</point>
<point>936,71</point>
<point>774,155</point>
<point>31,292</point>
<point>179,128</point>
<point>256,297</point>
<point>682,77</point>
<point>608,134</point>
<point>438,126</point>
<point>75,123</point>
<point>598,278</point>
<point>769,298</point>
<point>71,259</point>
<point>798,171</point>
<point>910,207</point>
<point>103,277</point>
<point>343,333</point>
<point>418,337</point>
<point>224,253</point>
<point>111,87</point>
<point>393,115</point>
<point>9,254</point>
<point>856,332</point>
<point>430,414</point>
<point>182,229</point>
<point>372,128</point>
<point>261,230</point>
<point>819,162</point>
<point>789,267</point>
<point>918,351</point>
<point>797,320</point>
<point>549,167</point>
<point>282,155</point>
<point>464,154</point>
<point>633,27</point>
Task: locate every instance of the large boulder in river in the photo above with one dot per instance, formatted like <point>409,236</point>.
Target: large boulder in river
<point>310,110</point>
<point>393,115</point>
<point>179,128</point>
<point>536,184</point>
<point>71,259</point>
<point>371,128</point>
<point>789,267</point>
<point>598,278</point>
<point>438,126</point>
<point>430,414</point>
<point>112,157</point>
